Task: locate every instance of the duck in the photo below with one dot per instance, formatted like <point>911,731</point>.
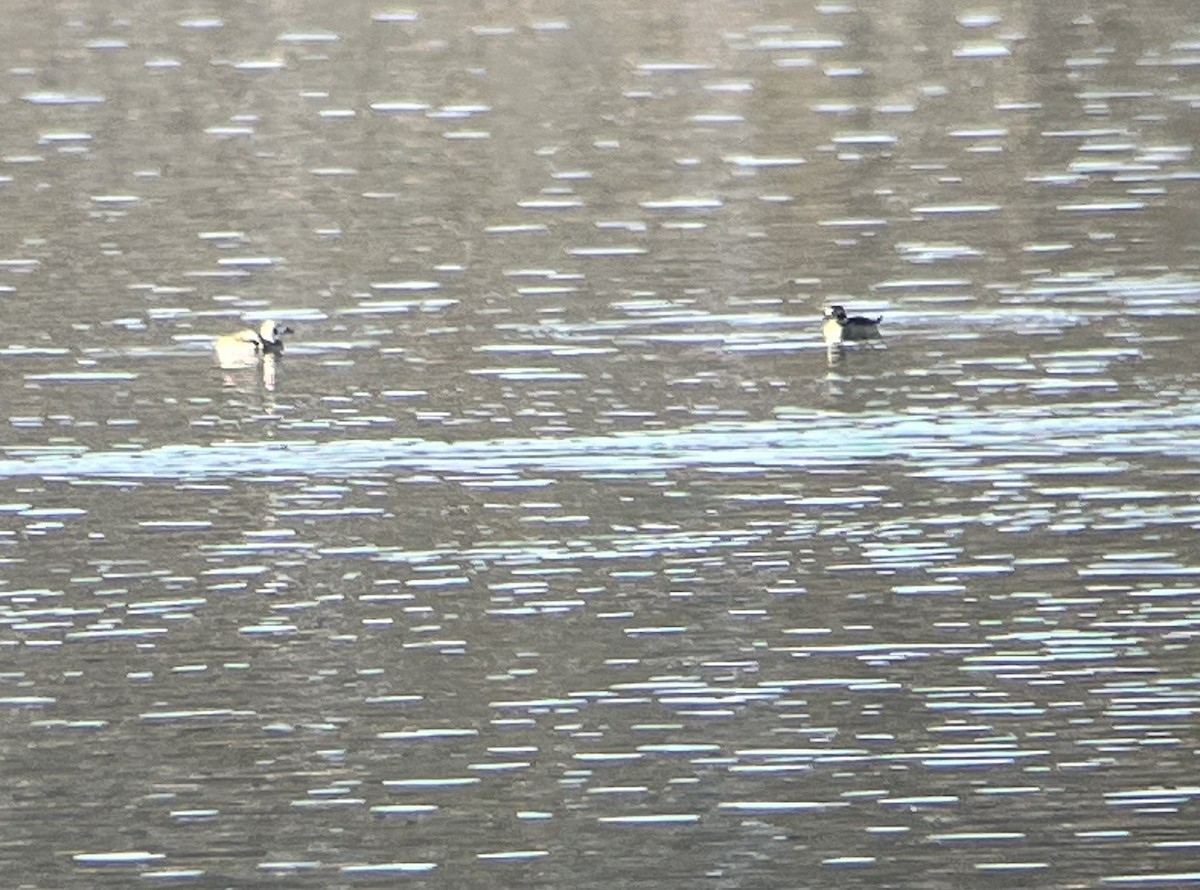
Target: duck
<point>840,327</point>
<point>248,346</point>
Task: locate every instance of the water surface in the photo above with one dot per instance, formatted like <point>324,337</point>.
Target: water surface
<point>558,549</point>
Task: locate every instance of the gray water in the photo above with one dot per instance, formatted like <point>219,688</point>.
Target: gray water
<point>558,550</point>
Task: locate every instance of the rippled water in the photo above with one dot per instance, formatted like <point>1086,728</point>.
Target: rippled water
<point>558,549</point>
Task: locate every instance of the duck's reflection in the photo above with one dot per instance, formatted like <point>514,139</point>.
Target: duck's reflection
<point>270,371</point>
<point>260,380</point>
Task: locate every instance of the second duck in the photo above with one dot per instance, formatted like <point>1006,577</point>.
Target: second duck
<point>842,328</point>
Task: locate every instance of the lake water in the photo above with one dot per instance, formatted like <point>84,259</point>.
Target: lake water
<point>558,550</point>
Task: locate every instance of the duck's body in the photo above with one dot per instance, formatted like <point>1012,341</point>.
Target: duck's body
<point>841,328</point>
<point>248,347</point>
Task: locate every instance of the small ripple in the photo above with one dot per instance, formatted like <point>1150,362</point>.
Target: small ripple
<point>1154,878</point>
<point>388,868</point>
<point>130,857</point>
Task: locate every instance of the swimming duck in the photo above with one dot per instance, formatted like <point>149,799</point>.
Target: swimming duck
<point>840,327</point>
<point>248,347</point>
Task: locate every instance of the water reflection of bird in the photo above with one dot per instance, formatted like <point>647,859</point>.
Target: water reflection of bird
<point>841,328</point>
<point>248,347</point>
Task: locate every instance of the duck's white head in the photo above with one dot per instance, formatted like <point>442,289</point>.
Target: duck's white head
<point>270,331</point>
